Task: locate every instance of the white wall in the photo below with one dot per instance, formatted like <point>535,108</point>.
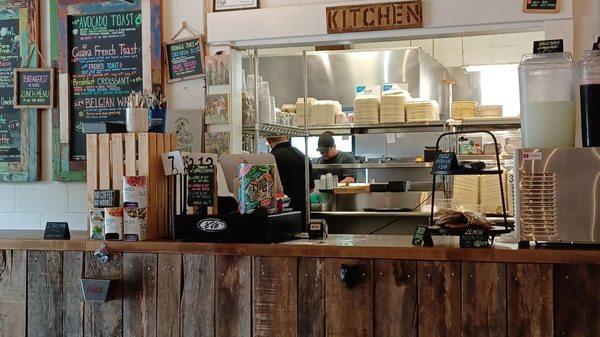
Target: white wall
<point>31,205</point>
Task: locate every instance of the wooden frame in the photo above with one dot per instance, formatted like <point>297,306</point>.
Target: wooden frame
<point>65,169</point>
<point>27,168</point>
<point>541,11</point>
<point>200,39</point>
<point>50,72</point>
<point>235,9</point>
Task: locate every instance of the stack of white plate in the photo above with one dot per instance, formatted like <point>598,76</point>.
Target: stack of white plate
<point>300,110</point>
<point>366,110</point>
<point>491,111</point>
<point>324,112</point>
<point>464,109</point>
<point>392,108</point>
<point>422,110</point>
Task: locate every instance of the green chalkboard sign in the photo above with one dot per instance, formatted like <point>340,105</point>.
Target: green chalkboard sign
<point>541,6</point>
<point>34,88</point>
<point>184,59</point>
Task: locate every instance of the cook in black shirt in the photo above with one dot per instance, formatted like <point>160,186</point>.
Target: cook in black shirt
<point>290,164</point>
<point>331,155</point>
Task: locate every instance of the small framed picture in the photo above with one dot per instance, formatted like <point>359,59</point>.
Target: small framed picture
<point>216,109</point>
<point>232,5</point>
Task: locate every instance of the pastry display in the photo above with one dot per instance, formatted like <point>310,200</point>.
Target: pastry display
<point>458,220</point>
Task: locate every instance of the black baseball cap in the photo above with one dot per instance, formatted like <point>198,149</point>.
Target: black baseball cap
<point>326,141</point>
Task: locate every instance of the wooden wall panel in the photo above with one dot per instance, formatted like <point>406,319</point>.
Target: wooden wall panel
<point>233,296</point>
<point>439,299</point>
<point>349,311</point>
<point>484,299</point>
<point>530,300</point>
<point>169,295</point>
<point>198,301</point>
<point>396,309</point>
<point>577,300</point>
<point>44,294</point>
<point>311,297</point>
<point>274,296</point>
<point>105,319</point>
<point>72,295</point>
<point>139,294</point>
<point>13,292</point>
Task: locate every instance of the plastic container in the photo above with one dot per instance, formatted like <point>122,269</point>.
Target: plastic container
<point>589,91</point>
<point>547,83</point>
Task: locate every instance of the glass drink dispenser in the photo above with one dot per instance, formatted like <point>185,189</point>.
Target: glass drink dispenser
<point>589,88</point>
<point>547,83</point>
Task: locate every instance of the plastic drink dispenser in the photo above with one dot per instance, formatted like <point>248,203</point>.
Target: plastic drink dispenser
<point>547,83</point>
<point>589,89</point>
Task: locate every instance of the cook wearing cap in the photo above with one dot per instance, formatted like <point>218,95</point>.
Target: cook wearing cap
<point>331,155</point>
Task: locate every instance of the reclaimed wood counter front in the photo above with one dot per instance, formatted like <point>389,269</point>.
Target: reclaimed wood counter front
<point>294,289</point>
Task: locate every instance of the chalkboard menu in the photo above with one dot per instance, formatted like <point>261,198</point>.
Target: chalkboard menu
<point>34,88</point>
<point>184,59</point>
<point>201,185</point>
<point>105,65</point>
<point>444,162</point>
<point>540,6</point>
<point>10,117</point>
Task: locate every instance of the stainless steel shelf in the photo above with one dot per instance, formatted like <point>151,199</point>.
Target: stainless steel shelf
<point>275,130</point>
<point>492,124</point>
<point>373,166</point>
<point>431,126</point>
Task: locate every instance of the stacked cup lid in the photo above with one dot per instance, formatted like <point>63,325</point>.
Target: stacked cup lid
<point>392,108</point>
<point>490,111</point>
<point>422,110</point>
<point>464,109</point>
<point>366,110</point>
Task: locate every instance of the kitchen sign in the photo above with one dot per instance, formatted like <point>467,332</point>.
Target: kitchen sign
<point>372,17</point>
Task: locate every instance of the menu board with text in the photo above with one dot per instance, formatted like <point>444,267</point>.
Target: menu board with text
<point>201,185</point>
<point>184,59</point>
<point>34,88</point>
<point>10,117</point>
<point>105,66</point>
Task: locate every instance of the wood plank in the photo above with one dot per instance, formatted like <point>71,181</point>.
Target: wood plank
<point>198,296</point>
<point>311,297</point>
<point>13,293</point>
<point>577,300</point>
<point>130,155</point>
<point>530,300</point>
<point>104,161</point>
<point>233,296</point>
<point>160,186</point>
<point>150,162</point>
<point>118,163</point>
<point>439,299</point>
<point>143,154</point>
<point>72,295</point>
<point>484,299</point>
<point>274,299</point>
<point>395,288</point>
<point>44,294</point>
<point>139,294</point>
<point>349,311</point>
<point>169,295</point>
<point>92,167</point>
<point>105,319</point>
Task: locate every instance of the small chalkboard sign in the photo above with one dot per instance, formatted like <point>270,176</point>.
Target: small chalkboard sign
<point>541,6</point>
<point>57,231</point>
<point>475,238</point>
<point>548,46</point>
<point>201,185</point>
<point>107,198</point>
<point>422,237</point>
<point>33,88</point>
<point>445,161</point>
<point>185,59</point>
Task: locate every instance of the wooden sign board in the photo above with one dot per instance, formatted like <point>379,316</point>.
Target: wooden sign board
<point>541,6</point>
<point>371,17</point>
<point>34,88</point>
<point>185,59</point>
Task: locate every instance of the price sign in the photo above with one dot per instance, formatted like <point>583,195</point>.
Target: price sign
<point>194,158</point>
<point>201,185</point>
<point>57,231</point>
<point>422,237</point>
<point>475,238</point>
<point>173,163</point>
<point>445,161</point>
<point>548,46</point>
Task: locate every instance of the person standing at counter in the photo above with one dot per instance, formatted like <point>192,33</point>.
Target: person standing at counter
<point>290,164</point>
<point>331,155</point>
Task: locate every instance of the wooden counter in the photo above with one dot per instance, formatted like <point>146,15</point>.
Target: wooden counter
<point>293,289</point>
<point>397,247</point>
